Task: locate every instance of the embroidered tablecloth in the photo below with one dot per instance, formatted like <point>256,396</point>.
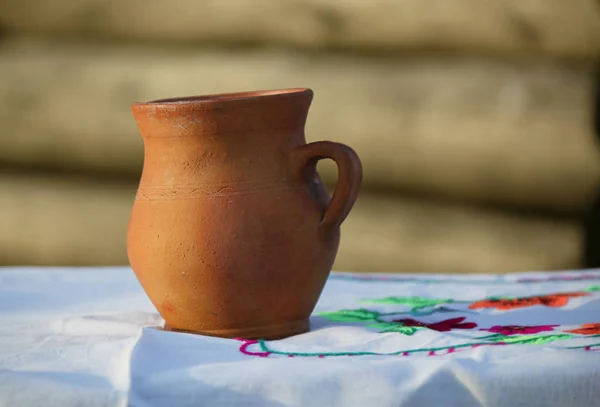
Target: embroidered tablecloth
<point>90,337</point>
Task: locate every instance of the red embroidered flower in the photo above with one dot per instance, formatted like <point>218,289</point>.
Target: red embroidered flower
<point>442,326</point>
<point>508,330</point>
<point>587,329</point>
<point>552,300</point>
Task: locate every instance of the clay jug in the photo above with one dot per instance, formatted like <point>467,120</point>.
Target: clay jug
<point>232,231</point>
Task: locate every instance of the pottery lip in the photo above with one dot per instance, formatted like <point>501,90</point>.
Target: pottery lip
<point>217,100</point>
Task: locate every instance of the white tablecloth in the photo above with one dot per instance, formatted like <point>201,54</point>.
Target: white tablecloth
<point>90,337</point>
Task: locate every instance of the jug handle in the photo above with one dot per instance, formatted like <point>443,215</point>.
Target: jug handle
<point>349,178</point>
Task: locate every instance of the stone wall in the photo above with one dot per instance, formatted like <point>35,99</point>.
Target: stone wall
<point>474,122</point>
<point>558,28</point>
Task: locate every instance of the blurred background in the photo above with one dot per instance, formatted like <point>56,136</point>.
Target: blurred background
<point>474,119</point>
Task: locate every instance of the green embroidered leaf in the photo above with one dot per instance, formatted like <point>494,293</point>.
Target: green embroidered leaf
<point>395,327</point>
<point>350,315</point>
<point>529,339</point>
<point>413,302</point>
<point>592,288</point>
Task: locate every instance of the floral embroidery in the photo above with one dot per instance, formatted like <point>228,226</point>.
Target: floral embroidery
<point>442,326</point>
<point>262,348</point>
<point>508,330</point>
<point>586,329</point>
<point>397,316</point>
<point>376,320</point>
<point>552,300</point>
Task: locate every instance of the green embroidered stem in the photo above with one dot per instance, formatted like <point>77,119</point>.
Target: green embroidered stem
<point>584,346</point>
<point>523,340</point>
<point>416,303</point>
<point>587,336</point>
<point>533,339</point>
<point>264,348</point>
<point>490,337</point>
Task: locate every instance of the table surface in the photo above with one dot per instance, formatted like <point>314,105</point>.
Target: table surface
<point>90,337</point>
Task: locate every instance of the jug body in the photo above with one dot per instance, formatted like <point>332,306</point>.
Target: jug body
<point>232,232</point>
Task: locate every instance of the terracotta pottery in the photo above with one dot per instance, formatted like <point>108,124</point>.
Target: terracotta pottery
<point>232,232</point>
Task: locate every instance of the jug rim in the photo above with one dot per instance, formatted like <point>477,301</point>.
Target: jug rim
<point>227,97</point>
